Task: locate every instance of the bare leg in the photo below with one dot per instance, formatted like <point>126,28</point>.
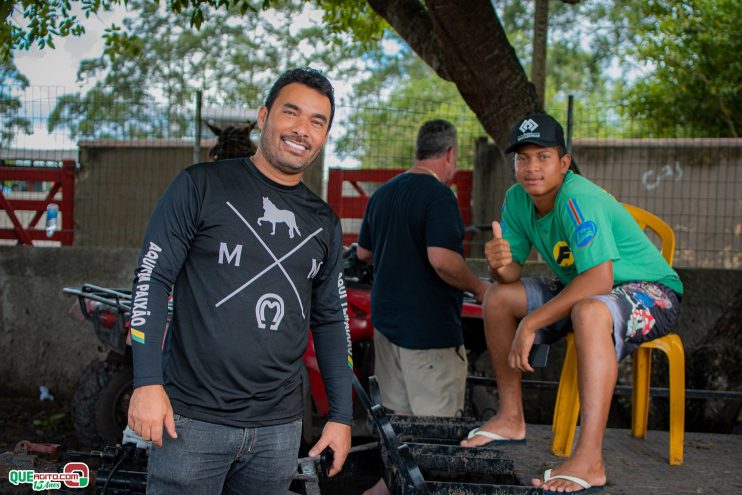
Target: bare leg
<point>504,305</point>
<point>378,489</point>
<point>597,370</point>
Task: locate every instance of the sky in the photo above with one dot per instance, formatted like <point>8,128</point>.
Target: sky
<point>58,67</point>
<point>53,72</point>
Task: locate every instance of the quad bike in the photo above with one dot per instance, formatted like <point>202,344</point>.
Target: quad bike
<point>413,454</point>
<point>101,400</point>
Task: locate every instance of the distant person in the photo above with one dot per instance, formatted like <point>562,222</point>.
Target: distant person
<point>613,288</point>
<point>255,259</point>
<point>413,234</point>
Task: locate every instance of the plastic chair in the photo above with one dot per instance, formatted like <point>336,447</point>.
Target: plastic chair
<point>567,407</point>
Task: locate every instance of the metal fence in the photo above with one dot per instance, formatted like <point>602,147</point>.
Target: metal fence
<point>129,147</point>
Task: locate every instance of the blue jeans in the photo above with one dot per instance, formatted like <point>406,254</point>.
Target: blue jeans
<point>210,459</point>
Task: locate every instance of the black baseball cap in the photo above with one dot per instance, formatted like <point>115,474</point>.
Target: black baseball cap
<point>537,128</point>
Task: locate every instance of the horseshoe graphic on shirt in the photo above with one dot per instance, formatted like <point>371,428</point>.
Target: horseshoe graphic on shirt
<point>269,301</point>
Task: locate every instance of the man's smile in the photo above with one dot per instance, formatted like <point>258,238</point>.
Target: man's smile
<point>532,180</point>
<point>295,144</point>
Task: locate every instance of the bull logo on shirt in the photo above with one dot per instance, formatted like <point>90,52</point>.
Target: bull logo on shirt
<point>273,215</point>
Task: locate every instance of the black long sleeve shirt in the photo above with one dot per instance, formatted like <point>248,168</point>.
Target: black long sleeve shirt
<point>252,265</point>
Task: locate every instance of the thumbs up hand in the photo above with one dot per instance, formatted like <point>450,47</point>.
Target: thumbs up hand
<point>496,229</point>
<point>497,251</point>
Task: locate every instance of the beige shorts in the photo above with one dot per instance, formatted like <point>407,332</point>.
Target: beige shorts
<point>423,382</point>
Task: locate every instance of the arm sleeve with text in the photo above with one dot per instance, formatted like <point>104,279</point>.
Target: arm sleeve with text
<point>331,332</point>
<point>588,228</point>
<point>171,229</point>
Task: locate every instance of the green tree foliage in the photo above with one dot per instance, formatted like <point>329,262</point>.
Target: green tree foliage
<point>401,92</point>
<point>12,83</point>
<point>35,22</point>
<point>574,67</point>
<point>390,106</point>
<point>151,72</point>
<point>688,49</point>
<point>28,23</point>
<point>38,22</point>
<point>693,80</point>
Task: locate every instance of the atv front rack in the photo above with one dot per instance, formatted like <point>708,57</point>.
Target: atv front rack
<point>110,317</point>
<point>417,455</point>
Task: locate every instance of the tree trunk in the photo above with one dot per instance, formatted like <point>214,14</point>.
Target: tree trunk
<point>716,364</point>
<point>467,46</point>
<point>540,41</point>
<point>411,22</point>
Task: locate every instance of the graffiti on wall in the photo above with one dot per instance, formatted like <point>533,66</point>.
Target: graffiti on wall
<point>652,178</point>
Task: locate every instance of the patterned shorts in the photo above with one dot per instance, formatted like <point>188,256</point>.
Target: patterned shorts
<point>641,311</point>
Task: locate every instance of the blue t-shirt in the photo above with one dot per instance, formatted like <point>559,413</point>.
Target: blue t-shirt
<point>410,304</point>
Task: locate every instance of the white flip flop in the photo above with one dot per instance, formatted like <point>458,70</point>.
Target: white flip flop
<point>586,487</point>
<point>495,439</point>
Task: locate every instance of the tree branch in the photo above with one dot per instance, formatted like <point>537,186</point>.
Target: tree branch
<point>483,64</point>
<point>411,21</point>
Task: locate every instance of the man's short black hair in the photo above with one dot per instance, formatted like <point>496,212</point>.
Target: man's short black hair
<point>434,138</point>
<point>308,77</point>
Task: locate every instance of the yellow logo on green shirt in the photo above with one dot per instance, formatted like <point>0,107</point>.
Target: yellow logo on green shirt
<point>562,254</point>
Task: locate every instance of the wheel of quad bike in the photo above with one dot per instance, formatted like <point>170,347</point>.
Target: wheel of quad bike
<point>101,402</point>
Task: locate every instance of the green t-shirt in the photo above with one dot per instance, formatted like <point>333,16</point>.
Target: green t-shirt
<point>587,227</point>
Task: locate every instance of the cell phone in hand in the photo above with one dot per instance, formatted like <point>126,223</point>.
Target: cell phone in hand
<point>538,356</point>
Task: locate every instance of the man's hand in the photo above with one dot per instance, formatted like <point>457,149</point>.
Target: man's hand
<point>497,251</point>
<point>522,343</point>
<point>149,408</point>
<point>337,437</point>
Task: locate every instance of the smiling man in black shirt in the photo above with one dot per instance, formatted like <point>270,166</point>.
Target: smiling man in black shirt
<point>254,259</point>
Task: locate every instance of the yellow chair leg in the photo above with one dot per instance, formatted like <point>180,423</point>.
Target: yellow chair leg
<point>641,373</point>
<point>567,408</point>
<point>557,406</point>
<point>560,390</point>
<point>673,347</point>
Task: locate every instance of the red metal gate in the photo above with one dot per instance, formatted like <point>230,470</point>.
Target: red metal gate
<point>365,182</point>
<point>63,181</point>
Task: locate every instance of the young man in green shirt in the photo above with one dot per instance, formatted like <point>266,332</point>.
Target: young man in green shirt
<point>613,288</point>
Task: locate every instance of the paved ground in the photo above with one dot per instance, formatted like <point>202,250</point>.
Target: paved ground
<point>635,466</point>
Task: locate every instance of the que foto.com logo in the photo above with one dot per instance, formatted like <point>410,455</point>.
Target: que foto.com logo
<point>74,475</point>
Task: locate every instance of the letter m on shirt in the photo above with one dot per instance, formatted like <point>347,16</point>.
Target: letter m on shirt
<point>235,255</point>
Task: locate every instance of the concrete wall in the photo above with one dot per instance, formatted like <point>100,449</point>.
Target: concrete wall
<point>41,344</point>
<point>119,183</point>
<point>693,184</point>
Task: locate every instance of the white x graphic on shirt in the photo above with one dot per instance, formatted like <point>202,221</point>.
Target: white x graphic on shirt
<point>276,262</point>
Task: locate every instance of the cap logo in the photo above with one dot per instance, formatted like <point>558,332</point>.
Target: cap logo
<point>528,125</point>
